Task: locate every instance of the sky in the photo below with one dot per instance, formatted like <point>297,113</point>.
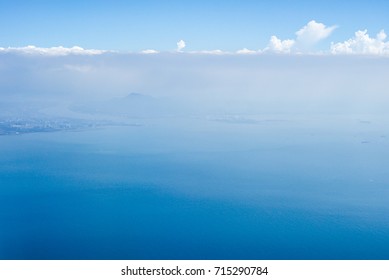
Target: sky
<point>226,25</point>
<point>213,56</point>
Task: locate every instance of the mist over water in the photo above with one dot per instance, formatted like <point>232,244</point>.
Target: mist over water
<point>177,156</point>
<point>246,84</point>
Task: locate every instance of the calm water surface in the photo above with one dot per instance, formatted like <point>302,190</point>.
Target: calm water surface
<point>309,187</point>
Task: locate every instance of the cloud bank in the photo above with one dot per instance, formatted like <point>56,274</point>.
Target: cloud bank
<point>303,43</point>
<point>207,83</point>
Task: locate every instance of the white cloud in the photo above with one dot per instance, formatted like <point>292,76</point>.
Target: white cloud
<point>180,45</point>
<point>149,51</point>
<point>362,43</point>
<point>279,46</point>
<point>306,37</point>
<point>53,51</point>
<point>216,52</point>
<point>247,51</point>
<point>313,32</point>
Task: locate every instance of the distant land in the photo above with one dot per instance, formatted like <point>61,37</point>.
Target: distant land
<point>23,117</point>
<point>33,125</point>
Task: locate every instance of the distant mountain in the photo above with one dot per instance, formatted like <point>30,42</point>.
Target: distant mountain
<point>132,99</point>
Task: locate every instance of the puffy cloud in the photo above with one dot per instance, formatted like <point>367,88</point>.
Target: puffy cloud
<point>246,51</point>
<point>53,51</point>
<point>180,45</point>
<point>362,43</point>
<point>279,46</point>
<point>306,37</point>
<point>149,51</point>
<point>313,32</point>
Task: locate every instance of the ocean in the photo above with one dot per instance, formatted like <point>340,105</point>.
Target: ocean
<point>252,187</point>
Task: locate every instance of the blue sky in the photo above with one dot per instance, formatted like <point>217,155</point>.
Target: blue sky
<point>204,25</point>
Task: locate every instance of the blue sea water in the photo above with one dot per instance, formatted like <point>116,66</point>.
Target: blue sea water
<point>308,187</point>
